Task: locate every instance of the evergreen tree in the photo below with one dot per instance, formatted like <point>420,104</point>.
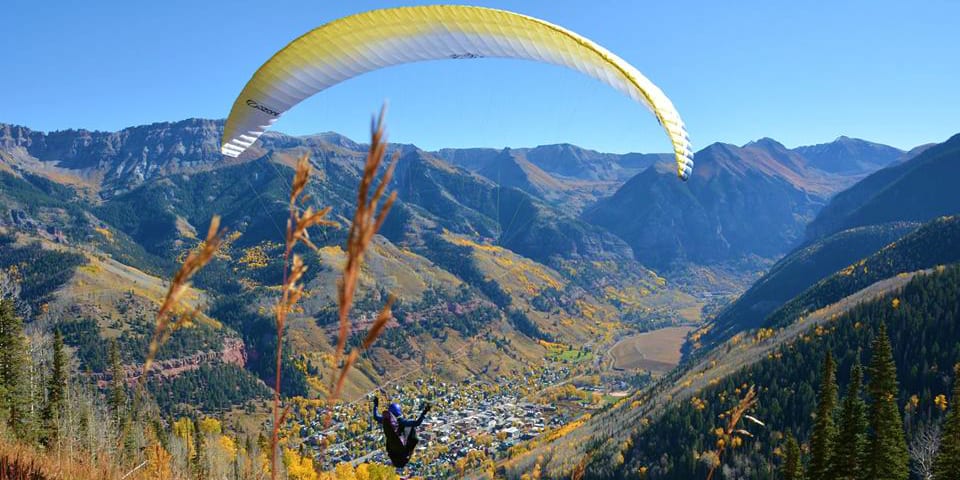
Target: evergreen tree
<point>947,464</point>
<point>199,456</point>
<point>14,394</point>
<point>792,468</point>
<point>887,456</point>
<point>852,439</point>
<point>824,428</point>
<point>56,392</point>
<point>118,392</point>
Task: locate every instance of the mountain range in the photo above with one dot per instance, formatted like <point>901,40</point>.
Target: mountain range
<point>884,253</point>
<point>508,252</point>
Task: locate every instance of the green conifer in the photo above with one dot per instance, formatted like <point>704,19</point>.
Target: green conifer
<point>56,392</point>
<point>852,438</point>
<point>14,395</point>
<point>947,464</point>
<point>824,428</point>
<point>118,390</point>
<point>887,457</point>
<point>791,469</point>
<point>199,455</point>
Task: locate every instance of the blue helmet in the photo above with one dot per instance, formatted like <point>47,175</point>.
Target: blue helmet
<point>395,409</point>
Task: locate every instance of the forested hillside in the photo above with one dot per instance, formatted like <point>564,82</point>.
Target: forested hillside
<point>798,271</point>
<point>919,189</point>
<point>922,322</point>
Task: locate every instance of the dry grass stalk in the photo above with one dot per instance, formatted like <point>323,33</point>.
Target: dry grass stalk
<point>298,226</point>
<point>366,222</point>
<point>173,314</point>
<point>731,430</point>
<point>52,466</point>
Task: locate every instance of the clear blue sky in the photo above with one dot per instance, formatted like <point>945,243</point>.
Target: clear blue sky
<point>800,72</point>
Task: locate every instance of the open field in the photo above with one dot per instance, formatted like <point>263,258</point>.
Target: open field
<point>656,351</point>
<point>559,352</point>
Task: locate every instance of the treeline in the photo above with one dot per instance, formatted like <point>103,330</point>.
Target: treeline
<point>432,316</point>
<point>78,429</point>
<point>210,388</point>
<point>259,336</point>
<point>524,325</point>
<point>935,243</point>
<point>923,324</point>
<point>38,271</point>
<point>458,260</point>
<point>92,351</point>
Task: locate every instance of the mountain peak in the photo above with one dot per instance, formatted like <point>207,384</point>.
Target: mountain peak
<point>850,155</point>
<point>766,142</point>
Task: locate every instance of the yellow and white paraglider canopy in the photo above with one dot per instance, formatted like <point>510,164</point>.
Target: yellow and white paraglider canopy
<point>364,42</point>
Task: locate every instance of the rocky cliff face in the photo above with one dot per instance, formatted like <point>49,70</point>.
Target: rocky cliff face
<point>233,352</point>
<point>126,158</point>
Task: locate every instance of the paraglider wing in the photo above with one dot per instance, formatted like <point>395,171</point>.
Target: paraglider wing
<point>360,43</point>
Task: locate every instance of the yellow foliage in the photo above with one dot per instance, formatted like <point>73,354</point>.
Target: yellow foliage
<point>566,429</point>
<point>375,471</point>
<point>587,310</point>
<point>913,402</point>
<point>255,257</point>
<point>941,401</point>
<point>895,303</point>
<point>301,468</point>
<point>763,334</point>
<point>103,231</point>
<point>183,428</point>
<point>228,445</point>
<point>158,462</point>
<point>91,268</point>
<point>211,426</point>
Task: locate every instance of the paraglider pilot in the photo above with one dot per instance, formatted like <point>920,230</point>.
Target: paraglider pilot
<point>400,433</point>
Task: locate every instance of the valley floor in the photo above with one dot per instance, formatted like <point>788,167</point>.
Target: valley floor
<point>487,419</point>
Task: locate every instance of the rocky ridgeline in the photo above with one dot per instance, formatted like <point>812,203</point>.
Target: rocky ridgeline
<point>233,352</point>
<point>125,158</point>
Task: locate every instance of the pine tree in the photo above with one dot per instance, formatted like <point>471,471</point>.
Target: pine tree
<point>56,392</point>
<point>824,428</point>
<point>199,460</point>
<point>887,457</point>
<point>14,395</point>
<point>791,468</point>
<point>118,392</point>
<point>947,464</point>
<point>852,438</point>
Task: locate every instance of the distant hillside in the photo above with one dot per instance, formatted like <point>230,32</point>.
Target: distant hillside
<point>512,170</point>
<point>574,162</point>
<point>919,189</point>
<point>663,428</point>
<point>740,201</point>
<point>124,159</point>
<point>526,268</point>
<point>850,156</point>
<point>889,195</point>
<point>799,270</point>
<point>935,243</point>
<point>923,332</point>
<point>562,160</point>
